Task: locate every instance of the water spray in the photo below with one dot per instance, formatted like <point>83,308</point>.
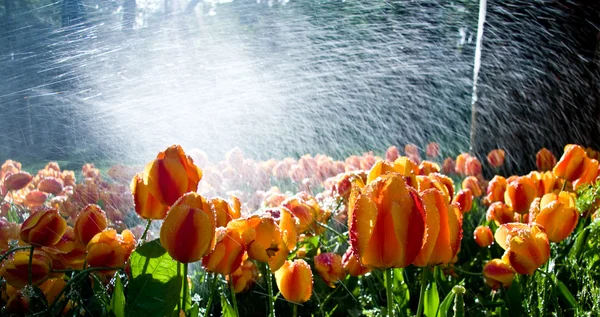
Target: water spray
<point>476,66</point>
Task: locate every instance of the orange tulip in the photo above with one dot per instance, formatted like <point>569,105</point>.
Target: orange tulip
<point>472,166</point>
<point>8,231</point>
<point>52,287</point>
<point>558,215</point>
<point>432,150</point>
<point>448,166</point>
<point>411,150</point>
<point>171,175</point>
<point>43,228</point>
<point>329,267</point>
<point>17,181</point>
<point>392,153</point>
<point>295,281</point>
<point>527,246</point>
<point>498,273</point>
<point>262,238</point>
<point>464,200</point>
<point>405,166</point>
<point>50,185</point>
<point>444,230</point>
<point>461,163</point>
<point>288,225</point>
<point>15,270</point>
<point>386,223</point>
<point>444,184</point>
<point>495,190</point>
<point>472,183</point>
<point>427,167</point>
<point>188,232</point>
<point>545,160</point>
<point>244,276</point>
<point>109,249</point>
<point>571,164</point>
<point>483,236</point>
<point>519,194</point>
<point>496,157</point>
<point>588,175</point>
<point>380,168</point>
<point>352,264</point>
<point>546,182</point>
<point>500,213</point>
<point>226,258</point>
<point>146,205</point>
<point>90,221</point>
<point>305,212</point>
<point>225,212</point>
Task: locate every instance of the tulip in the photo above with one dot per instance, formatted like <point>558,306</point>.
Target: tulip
<point>380,168</point>
<point>495,189</point>
<point>352,264</point>
<point>546,182</point>
<point>224,212</point>
<point>496,158</point>
<point>295,281</point>
<point>448,166</point>
<point>90,221</point>
<point>432,150</point>
<point>464,200</point>
<point>527,246</point>
<point>15,302</point>
<point>50,185</point>
<point>244,276</point>
<point>51,288</point>
<point>498,273</point>
<point>571,164</point>
<point>17,181</point>
<point>226,257</point>
<point>329,266</point>
<point>557,214</point>
<point>15,270</point>
<point>483,236</point>
<point>171,175</point>
<point>35,198</point>
<point>305,212</point>
<point>588,175</point>
<point>411,150</point>
<point>519,194</point>
<point>109,249</point>
<point>461,161</point>
<point>472,183</point>
<point>545,160</point>
<point>500,213</point>
<point>288,225</point>
<point>444,230</point>
<point>405,166</point>
<point>188,232</point>
<point>444,184</point>
<point>472,166</point>
<point>392,153</point>
<point>427,167</point>
<point>43,228</point>
<point>146,205</point>
<point>8,231</point>
<point>386,223</point>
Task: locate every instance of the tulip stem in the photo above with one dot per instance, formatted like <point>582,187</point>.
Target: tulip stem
<point>270,289</point>
<point>185,287</point>
<point>213,287</point>
<point>30,273</point>
<point>563,185</point>
<point>294,310</point>
<point>9,252</point>
<point>390,295</point>
<point>233,299</point>
<point>143,238</point>
<point>422,293</point>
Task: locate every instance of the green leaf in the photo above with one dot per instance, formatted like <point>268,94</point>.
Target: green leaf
<point>446,305</point>
<point>432,300</point>
<point>117,302</point>
<point>565,295</point>
<point>227,309</point>
<point>195,310</point>
<point>401,291</point>
<point>155,286</point>
<point>515,299</point>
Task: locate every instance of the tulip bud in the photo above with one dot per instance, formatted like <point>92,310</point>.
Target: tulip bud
<point>495,190</point>
<point>519,194</point>
<point>188,232</point>
<point>171,175</point>
<point>244,276</point>
<point>50,185</point>
<point>432,150</point>
<point>496,158</point>
<point>461,162</point>
<point>43,228</point>
<point>17,181</point>
<point>90,221</point>
<point>392,153</point>
<point>352,264</point>
<point>464,200</point>
<point>570,166</point>
<point>558,215</point>
<point>15,270</point>
<point>472,183</point>
<point>498,273</point>
<point>412,151</point>
<point>545,160</point>
<point>386,223</point>
<point>527,246</point>
<point>35,198</point>
<point>500,213</point>
<point>146,205</point>
<point>295,281</point>
<point>483,236</point>
<point>226,257</point>
<point>329,267</point>
<point>472,166</point>
<point>448,166</point>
